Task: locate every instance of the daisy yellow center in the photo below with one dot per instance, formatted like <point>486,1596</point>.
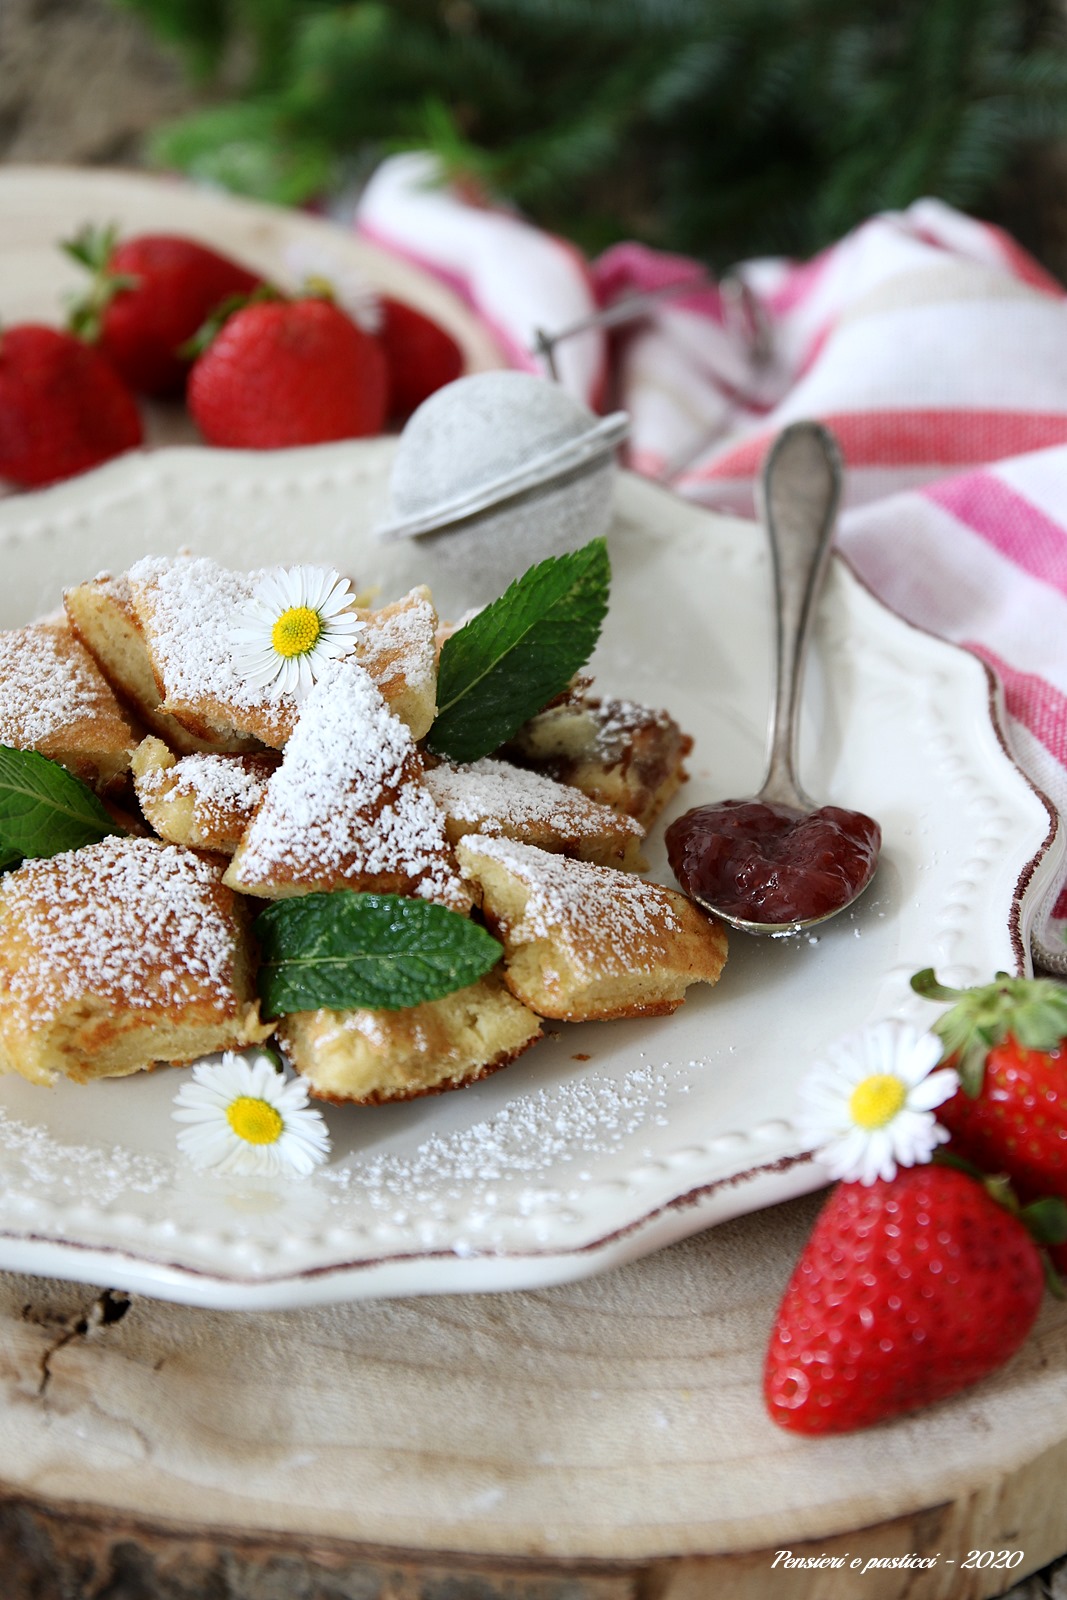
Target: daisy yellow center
<point>253,1120</point>
<point>877,1100</point>
<point>296,631</point>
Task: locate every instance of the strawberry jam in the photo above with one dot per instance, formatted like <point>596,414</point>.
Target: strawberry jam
<point>765,863</point>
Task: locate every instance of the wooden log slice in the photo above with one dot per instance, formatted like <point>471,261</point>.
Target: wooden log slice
<point>598,1440</point>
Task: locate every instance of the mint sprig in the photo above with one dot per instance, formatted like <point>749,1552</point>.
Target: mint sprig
<point>520,651</point>
<point>45,809</point>
<point>383,951</point>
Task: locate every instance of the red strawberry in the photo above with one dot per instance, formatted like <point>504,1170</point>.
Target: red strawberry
<point>1008,1041</point>
<point>906,1292</point>
<point>422,357</point>
<point>149,296</point>
<point>288,372</point>
<point>63,408</point>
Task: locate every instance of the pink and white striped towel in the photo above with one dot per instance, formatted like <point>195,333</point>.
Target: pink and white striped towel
<point>932,345</point>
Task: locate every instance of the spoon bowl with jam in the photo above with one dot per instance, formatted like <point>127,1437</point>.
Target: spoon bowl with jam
<point>778,862</point>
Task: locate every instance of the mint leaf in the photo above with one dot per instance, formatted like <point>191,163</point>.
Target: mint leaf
<point>500,668</point>
<point>384,951</point>
<point>44,808</point>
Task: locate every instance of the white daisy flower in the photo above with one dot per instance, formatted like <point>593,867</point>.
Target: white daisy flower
<point>245,1118</point>
<point>867,1107</point>
<point>318,272</point>
<point>299,619</point>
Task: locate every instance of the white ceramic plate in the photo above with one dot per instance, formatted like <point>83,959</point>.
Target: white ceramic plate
<point>605,1141</point>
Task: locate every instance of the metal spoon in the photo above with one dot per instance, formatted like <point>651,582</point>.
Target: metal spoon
<point>747,861</point>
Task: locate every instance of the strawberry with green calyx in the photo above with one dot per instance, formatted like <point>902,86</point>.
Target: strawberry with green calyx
<point>288,372</point>
<point>63,408</point>
<point>148,296</point>
<point>908,1290</point>
<point>1008,1042</point>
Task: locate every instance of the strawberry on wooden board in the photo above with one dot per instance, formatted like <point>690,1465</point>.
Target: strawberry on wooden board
<point>149,295</point>
<point>1008,1042</point>
<point>63,408</point>
<point>422,357</point>
<point>288,372</point>
<point>908,1290</point>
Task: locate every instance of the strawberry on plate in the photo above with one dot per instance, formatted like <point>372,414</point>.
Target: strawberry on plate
<point>421,356</point>
<point>288,372</point>
<point>149,295</point>
<point>1008,1042</point>
<point>63,408</point>
<point>908,1290</point>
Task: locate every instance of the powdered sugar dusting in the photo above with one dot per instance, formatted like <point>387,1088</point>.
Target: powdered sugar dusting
<point>48,682</point>
<point>347,802</point>
<point>616,722</point>
<point>501,800</point>
<point>189,608</point>
<point>403,637</point>
<point>126,920</point>
<point>534,1137</point>
<point>35,1159</point>
<point>611,920</point>
<point>221,786</point>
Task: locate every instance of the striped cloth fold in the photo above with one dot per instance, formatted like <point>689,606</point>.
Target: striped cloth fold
<point>930,343</point>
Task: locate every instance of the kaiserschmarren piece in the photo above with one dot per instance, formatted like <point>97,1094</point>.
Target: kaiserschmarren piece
<point>204,801</point>
<point>583,942</point>
<point>398,647</point>
<point>55,701</point>
<point>102,616</point>
<point>625,755</point>
<point>120,955</point>
<point>496,799</point>
<point>377,1056</point>
<point>347,808</point>
<point>187,608</point>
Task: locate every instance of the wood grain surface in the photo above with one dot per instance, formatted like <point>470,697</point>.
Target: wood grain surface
<point>604,1440</point>
<point>601,1439</point>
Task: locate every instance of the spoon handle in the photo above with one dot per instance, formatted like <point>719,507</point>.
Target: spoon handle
<point>799,490</point>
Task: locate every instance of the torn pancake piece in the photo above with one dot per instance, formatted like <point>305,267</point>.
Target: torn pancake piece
<point>398,647</point>
<point>623,754</point>
<point>493,798</point>
<point>373,1056</point>
<point>120,955</point>
<point>53,699</point>
<point>584,942</point>
<point>347,808</point>
<point>102,616</point>
<point>188,609</point>
<point>205,801</point>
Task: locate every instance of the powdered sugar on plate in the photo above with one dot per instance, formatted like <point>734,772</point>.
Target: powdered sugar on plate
<point>34,1159</point>
<point>534,1137</point>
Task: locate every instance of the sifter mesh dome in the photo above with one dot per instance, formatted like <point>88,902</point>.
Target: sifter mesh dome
<point>477,432</point>
<point>496,471</point>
